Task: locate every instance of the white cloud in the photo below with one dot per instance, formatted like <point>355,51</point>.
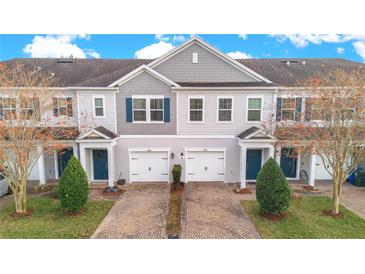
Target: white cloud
<point>56,46</point>
<point>178,38</point>
<point>242,36</point>
<point>239,55</point>
<point>360,49</point>
<point>340,50</point>
<point>154,50</point>
<point>302,40</point>
<point>162,37</point>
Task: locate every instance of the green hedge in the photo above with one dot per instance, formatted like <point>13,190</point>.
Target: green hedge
<point>73,186</point>
<point>272,189</point>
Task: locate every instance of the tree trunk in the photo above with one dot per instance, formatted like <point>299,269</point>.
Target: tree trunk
<point>336,197</point>
<point>21,198</point>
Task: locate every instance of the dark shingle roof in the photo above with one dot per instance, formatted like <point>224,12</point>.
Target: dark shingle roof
<point>106,132</point>
<point>103,72</point>
<point>227,84</point>
<point>294,73</point>
<point>247,132</point>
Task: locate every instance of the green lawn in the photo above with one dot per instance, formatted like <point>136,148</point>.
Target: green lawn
<point>305,221</point>
<point>48,221</point>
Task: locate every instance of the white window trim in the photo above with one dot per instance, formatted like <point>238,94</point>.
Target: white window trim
<point>148,109</point>
<point>203,109</point>
<point>287,109</point>
<point>262,104</point>
<point>232,108</point>
<point>3,97</point>
<point>58,106</point>
<point>99,97</point>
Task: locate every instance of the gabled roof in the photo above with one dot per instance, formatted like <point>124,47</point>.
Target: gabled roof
<point>140,70</point>
<point>254,133</point>
<point>219,54</point>
<point>99,132</point>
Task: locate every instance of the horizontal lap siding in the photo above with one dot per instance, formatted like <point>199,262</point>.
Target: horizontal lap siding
<point>87,119</point>
<point>209,68</point>
<point>210,125</point>
<point>145,84</point>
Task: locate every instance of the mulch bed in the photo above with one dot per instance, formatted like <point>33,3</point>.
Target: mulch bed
<point>173,227</point>
<point>242,191</point>
<point>16,215</point>
<point>272,217</point>
<point>42,188</point>
<point>310,188</point>
<point>74,214</point>
<point>328,212</point>
<point>295,196</point>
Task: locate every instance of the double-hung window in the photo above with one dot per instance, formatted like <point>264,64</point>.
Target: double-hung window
<point>99,106</point>
<point>62,106</point>
<point>7,108</point>
<point>148,109</point>
<point>225,106</point>
<point>254,109</point>
<point>196,109</point>
<point>29,107</point>
<point>288,109</point>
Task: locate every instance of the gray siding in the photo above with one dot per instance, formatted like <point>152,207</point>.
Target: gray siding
<point>209,68</point>
<point>87,119</point>
<point>177,147</point>
<point>145,84</point>
<point>210,124</point>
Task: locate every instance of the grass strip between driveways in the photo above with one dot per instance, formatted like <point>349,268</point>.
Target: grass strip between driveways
<point>173,226</point>
<point>305,220</point>
<point>48,221</point>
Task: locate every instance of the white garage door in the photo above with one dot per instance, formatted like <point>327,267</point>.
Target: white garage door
<point>205,166</point>
<point>149,166</point>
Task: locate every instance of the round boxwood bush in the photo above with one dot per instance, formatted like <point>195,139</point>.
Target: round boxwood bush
<point>272,189</point>
<point>73,186</point>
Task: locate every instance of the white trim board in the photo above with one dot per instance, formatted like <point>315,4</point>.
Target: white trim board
<point>221,55</point>
<point>176,137</point>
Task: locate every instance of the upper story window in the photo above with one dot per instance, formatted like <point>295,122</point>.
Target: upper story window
<point>148,109</point>
<point>7,108</point>
<point>225,106</point>
<point>254,109</point>
<point>29,108</point>
<point>319,109</point>
<point>99,106</point>
<point>289,109</point>
<point>196,109</point>
<point>62,106</point>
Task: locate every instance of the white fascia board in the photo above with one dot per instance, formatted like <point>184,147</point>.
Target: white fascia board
<point>176,137</point>
<point>139,70</point>
<point>96,132</point>
<point>259,131</point>
<point>213,50</point>
<point>271,89</point>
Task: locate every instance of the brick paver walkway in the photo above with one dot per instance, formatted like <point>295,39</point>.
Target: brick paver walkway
<point>211,212</point>
<point>139,214</point>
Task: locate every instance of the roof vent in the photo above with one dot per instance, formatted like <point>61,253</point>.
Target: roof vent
<point>65,61</point>
<point>303,63</point>
<point>289,62</point>
<point>52,74</point>
<point>39,68</point>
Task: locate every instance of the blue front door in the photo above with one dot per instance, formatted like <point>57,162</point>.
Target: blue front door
<point>288,162</point>
<point>253,163</point>
<point>63,157</point>
<point>100,164</point>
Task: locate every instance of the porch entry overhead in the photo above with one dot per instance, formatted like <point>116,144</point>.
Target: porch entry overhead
<point>256,148</point>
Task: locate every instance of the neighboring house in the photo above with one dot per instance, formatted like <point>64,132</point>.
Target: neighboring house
<point>193,106</point>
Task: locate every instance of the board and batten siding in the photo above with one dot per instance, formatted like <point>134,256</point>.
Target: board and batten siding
<point>210,125</point>
<point>86,108</point>
<point>209,68</point>
<point>145,84</point>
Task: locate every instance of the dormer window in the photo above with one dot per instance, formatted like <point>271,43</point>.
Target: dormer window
<point>195,58</point>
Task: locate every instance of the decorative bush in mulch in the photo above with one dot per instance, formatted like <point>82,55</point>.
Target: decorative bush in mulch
<point>242,191</point>
<point>273,217</point>
<point>73,214</point>
<point>173,226</point>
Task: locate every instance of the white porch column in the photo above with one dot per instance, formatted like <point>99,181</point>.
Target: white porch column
<point>243,158</point>
<point>75,150</point>
<point>312,169</point>
<point>56,171</point>
<point>271,152</point>
<point>83,159</point>
<point>41,169</point>
<point>278,154</point>
<point>111,166</point>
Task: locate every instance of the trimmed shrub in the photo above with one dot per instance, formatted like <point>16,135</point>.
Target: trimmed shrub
<point>272,189</point>
<point>176,174</point>
<point>73,186</point>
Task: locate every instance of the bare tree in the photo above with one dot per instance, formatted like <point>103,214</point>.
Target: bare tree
<point>26,126</point>
<point>332,126</point>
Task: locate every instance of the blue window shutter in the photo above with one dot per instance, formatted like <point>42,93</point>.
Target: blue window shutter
<point>278,109</point>
<point>298,109</point>
<point>166,108</point>
<point>129,109</point>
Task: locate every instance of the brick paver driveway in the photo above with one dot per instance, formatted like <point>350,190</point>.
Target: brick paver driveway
<point>139,214</point>
<point>210,211</point>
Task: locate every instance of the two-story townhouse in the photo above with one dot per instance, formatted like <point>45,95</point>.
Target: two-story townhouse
<point>193,106</point>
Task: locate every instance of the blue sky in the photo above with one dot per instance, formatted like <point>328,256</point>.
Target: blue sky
<point>151,46</point>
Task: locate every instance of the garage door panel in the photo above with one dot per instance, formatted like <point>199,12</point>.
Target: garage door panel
<point>205,166</point>
<point>149,167</point>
